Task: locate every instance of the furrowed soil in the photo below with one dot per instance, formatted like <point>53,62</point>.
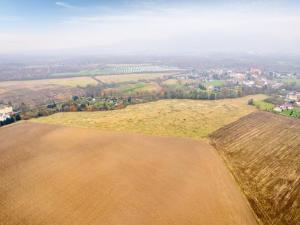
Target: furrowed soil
<point>263,152</point>
<point>53,175</point>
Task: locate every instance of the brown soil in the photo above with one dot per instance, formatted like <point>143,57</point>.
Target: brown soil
<point>38,95</point>
<point>52,175</point>
<point>263,152</point>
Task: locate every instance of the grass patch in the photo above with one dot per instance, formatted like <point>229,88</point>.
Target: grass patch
<point>215,83</point>
<point>262,105</point>
<point>138,87</point>
<point>174,84</point>
<point>131,77</point>
<point>292,81</point>
<point>291,113</point>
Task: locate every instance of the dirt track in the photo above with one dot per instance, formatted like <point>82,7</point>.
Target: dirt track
<point>52,175</point>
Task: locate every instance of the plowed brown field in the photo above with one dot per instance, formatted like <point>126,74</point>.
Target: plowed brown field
<point>52,175</point>
<point>263,152</point>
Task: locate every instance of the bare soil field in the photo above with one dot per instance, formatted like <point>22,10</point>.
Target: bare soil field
<point>33,96</point>
<point>263,152</point>
<point>33,84</point>
<point>36,92</point>
<point>53,175</point>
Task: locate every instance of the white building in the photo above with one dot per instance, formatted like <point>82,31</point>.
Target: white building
<point>5,112</point>
<point>277,109</point>
<point>249,83</point>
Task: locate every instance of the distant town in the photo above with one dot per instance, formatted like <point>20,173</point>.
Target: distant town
<point>96,87</point>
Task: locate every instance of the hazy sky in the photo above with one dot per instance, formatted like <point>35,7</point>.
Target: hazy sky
<point>162,27</point>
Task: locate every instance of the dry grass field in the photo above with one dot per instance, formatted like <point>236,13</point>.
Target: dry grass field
<point>171,82</point>
<point>181,118</point>
<point>132,77</point>
<point>33,84</point>
<point>54,175</point>
<point>263,152</point>
<point>139,87</point>
<point>2,90</point>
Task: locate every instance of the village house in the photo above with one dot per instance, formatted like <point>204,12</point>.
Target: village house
<point>5,112</point>
<point>255,71</point>
<point>238,76</point>
<point>293,97</point>
<point>277,85</point>
<point>249,83</point>
<point>286,107</point>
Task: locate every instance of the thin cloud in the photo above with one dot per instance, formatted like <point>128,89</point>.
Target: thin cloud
<point>172,28</point>
<point>64,5</point>
<point>9,18</point>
